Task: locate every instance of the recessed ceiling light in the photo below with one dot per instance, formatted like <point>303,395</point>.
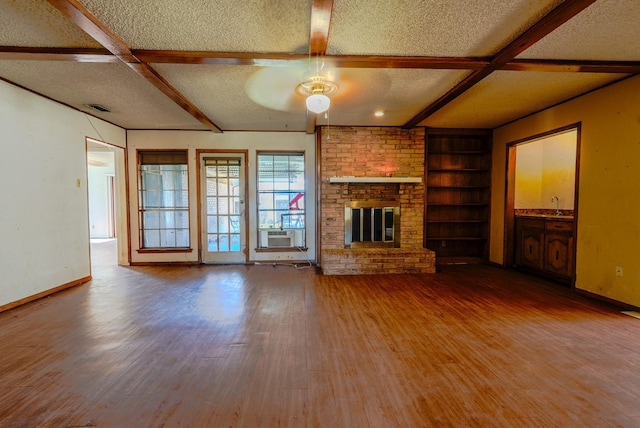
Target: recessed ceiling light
<point>379,113</point>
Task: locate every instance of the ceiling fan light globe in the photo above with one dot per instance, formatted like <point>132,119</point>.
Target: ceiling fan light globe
<point>318,103</point>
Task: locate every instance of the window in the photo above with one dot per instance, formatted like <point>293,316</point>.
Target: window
<point>163,199</point>
<point>281,201</point>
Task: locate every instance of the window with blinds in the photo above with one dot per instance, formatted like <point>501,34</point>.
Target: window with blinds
<point>163,200</point>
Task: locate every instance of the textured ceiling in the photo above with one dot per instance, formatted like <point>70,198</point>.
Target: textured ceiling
<point>134,103</point>
<point>219,90</point>
<point>431,28</point>
<point>37,23</point>
<point>156,64</point>
<point>205,25</point>
<point>511,95</point>
<point>606,30</point>
<point>397,92</point>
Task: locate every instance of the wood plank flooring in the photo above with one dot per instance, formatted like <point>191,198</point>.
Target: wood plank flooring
<point>264,346</point>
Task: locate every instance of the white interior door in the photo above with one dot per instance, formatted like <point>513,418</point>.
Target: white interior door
<point>223,208</point>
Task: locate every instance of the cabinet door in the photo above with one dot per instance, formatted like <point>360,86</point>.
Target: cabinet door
<point>532,248</point>
<point>558,253</point>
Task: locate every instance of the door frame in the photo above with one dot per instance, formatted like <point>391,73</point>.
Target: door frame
<point>509,209</point>
<point>111,205</point>
<point>199,174</point>
<point>122,230</point>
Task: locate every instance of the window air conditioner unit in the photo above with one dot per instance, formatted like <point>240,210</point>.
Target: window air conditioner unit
<point>281,238</point>
<point>277,238</point>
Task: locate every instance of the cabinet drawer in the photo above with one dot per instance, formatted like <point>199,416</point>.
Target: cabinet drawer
<point>531,223</point>
<point>560,226</point>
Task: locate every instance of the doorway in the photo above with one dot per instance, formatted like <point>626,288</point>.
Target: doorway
<point>222,207</point>
<point>105,194</point>
<point>543,181</point>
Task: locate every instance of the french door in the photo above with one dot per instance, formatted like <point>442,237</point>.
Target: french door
<point>223,208</point>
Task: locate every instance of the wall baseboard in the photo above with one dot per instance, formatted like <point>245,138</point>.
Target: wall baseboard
<point>621,305</point>
<point>44,293</point>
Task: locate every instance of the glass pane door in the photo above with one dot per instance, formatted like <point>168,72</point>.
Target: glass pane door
<point>223,209</point>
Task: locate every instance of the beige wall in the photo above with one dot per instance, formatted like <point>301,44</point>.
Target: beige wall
<point>528,185</point>
<point>608,205</point>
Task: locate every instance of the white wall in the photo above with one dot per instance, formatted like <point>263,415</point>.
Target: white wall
<point>250,141</point>
<point>98,184</point>
<point>44,233</point>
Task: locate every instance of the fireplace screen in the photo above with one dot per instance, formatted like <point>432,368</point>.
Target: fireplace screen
<point>371,224</point>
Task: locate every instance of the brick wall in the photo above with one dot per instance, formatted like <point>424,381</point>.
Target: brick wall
<point>371,152</point>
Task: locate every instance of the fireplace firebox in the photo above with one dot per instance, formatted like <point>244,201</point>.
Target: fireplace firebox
<point>371,224</point>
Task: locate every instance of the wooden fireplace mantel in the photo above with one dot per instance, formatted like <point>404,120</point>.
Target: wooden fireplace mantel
<point>348,179</point>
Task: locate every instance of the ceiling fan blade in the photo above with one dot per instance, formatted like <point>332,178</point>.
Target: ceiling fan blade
<point>275,88</point>
<point>358,87</point>
<point>279,88</point>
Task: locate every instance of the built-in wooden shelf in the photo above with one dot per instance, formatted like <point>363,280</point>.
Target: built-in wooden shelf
<point>375,179</point>
<point>458,177</point>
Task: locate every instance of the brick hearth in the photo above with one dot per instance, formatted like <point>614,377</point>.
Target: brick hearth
<point>373,152</point>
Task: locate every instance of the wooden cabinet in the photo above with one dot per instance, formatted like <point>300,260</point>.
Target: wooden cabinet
<point>458,179</point>
<point>558,247</point>
<point>530,251</point>
<point>545,244</point>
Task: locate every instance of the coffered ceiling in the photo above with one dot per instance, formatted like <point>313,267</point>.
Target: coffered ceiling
<point>234,65</point>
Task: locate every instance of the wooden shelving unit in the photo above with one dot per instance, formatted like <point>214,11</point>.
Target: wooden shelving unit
<point>458,184</point>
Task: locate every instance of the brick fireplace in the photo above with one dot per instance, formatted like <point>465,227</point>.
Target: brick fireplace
<point>372,153</point>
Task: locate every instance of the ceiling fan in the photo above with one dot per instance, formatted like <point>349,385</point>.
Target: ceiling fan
<point>285,88</point>
<point>314,85</point>
<point>291,88</point>
<point>317,88</point>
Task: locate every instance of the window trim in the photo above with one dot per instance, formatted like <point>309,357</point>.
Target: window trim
<point>170,159</point>
<point>165,250</point>
<point>257,198</point>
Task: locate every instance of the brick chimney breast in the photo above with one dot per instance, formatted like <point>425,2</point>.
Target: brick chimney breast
<point>373,152</point>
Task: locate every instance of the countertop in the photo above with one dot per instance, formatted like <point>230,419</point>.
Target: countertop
<point>547,216</point>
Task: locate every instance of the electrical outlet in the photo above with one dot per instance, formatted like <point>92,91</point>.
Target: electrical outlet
<point>618,270</point>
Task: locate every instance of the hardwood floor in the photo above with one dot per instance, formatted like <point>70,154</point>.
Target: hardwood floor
<point>263,346</point>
